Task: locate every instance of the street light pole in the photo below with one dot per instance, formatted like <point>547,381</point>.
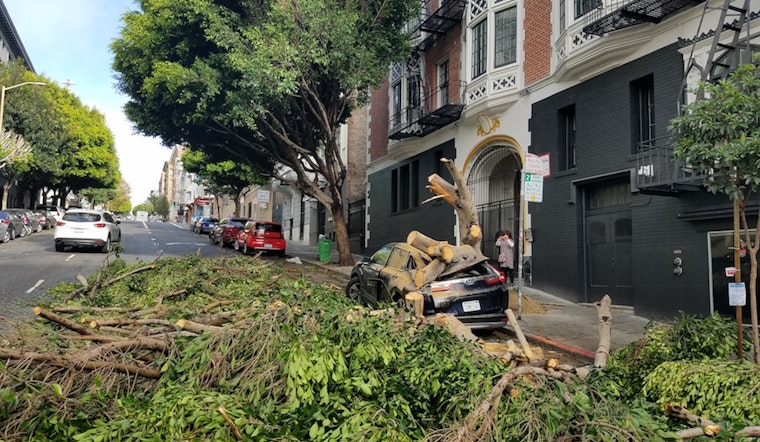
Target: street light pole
<point>7,88</point>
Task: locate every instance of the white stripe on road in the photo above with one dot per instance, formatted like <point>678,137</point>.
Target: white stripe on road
<point>68,258</point>
<point>34,287</point>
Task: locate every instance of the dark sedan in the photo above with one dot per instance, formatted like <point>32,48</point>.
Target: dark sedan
<point>225,232</point>
<point>476,295</point>
<point>205,224</point>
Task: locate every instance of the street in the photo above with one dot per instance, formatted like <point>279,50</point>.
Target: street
<point>30,265</point>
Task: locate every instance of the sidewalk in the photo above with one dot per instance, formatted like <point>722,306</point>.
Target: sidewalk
<point>567,326</point>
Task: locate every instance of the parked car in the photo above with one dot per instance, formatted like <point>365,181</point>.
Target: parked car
<point>30,224</point>
<point>194,222</point>
<point>205,224</point>
<point>87,228</point>
<point>260,235</point>
<point>10,226</point>
<point>56,211</point>
<point>14,225</point>
<point>476,295</point>
<point>226,230</point>
<point>46,219</point>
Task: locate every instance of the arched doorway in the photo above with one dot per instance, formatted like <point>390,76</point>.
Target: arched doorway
<point>494,183</point>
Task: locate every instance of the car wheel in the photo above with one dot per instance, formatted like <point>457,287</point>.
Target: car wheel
<point>211,239</point>
<point>7,236</point>
<point>39,228</point>
<point>245,248</point>
<point>354,290</point>
<point>236,246</point>
<point>59,247</point>
<point>281,253</point>
<point>107,246</point>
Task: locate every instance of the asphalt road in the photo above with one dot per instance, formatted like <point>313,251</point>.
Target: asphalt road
<point>30,265</point>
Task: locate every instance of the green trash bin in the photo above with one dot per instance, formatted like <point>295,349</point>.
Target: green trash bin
<point>324,247</point>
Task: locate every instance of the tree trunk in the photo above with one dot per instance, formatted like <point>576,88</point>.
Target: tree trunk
<point>6,187</point>
<point>345,258</point>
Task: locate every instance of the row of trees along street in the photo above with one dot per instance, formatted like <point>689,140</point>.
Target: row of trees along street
<point>51,143</point>
<point>266,85</point>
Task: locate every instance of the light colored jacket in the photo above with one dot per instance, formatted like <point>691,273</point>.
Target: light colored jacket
<point>506,247</point>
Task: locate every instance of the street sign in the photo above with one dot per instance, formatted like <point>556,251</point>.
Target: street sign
<point>538,165</point>
<point>533,187</point>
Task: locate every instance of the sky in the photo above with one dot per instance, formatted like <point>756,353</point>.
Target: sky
<point>68,41</point>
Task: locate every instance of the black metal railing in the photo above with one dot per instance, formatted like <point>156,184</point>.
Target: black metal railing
<point>438,108</point>
<point>658,171</point>
<point>619,14</point>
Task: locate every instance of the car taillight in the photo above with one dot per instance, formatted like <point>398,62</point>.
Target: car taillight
<point>5,221</point>
<point>441,286</point>
<point>59,223</point>
<point>499,278</point>
<point>100,225</point>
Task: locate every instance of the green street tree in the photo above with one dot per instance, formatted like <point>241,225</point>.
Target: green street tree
<point>160,204</point>
<point>263,83</point>
<point>224,177</point>
<point>120,202</point>
<point>719,136</point>
<point>71,146</point>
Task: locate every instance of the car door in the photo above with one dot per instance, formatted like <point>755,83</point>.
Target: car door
<point>370,274</point>
<point>395,276</point>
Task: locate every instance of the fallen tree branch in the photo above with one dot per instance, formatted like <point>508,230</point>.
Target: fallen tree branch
<point>604,313</point>
<point>68,323</point>
<point>62,361</point>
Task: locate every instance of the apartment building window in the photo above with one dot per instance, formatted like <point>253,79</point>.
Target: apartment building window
<point>413,99</point>
<point>583,7</point>
<point>479,48</point>
<point>405,187</point>
<point>506,37</point>
<point>443,83</point>
<point>396,103</point>
<point>642,101</point>
<point>566,141</point>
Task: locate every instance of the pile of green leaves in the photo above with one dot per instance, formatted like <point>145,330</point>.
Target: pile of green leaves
<point>300,362</point>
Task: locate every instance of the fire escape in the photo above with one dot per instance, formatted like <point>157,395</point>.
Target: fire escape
<point>429,109</point>
<point>658,172</point>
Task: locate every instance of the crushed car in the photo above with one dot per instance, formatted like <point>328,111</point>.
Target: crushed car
<point>476,294</point>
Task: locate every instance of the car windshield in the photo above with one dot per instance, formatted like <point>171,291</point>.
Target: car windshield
<point>81,217</point>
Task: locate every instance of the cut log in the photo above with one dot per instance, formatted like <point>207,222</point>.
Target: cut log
<point>443,251</point>
<point>520,336</point>
<point>604,313</point>
<point>61,361</point>
<point>417,303</point>
<point>196,327</point>
<point>429,273</point>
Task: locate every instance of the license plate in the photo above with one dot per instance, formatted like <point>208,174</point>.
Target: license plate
<point>267,246</point>
<point>471,306</point>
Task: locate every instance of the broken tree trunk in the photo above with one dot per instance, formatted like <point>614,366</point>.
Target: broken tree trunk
<point>604,313</point>
<point>459,197</point>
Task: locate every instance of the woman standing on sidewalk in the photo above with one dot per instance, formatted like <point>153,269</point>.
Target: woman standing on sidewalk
<point>506,246</point>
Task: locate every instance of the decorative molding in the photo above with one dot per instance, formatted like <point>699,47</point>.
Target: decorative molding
<point>487,126</point>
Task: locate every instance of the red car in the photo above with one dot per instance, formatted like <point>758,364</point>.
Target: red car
<point>260,236</point>
<point>225,232</point>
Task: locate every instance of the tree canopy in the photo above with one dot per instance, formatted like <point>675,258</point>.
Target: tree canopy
<point>260,83</point>
<point>221,177</point>
<point>71,148</point>
<point>719,137</point>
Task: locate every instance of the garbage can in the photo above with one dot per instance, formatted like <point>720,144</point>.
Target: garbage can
<point>324,247</point>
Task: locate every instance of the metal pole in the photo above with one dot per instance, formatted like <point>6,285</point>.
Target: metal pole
<point>519,244</point>
<point>738,277</point>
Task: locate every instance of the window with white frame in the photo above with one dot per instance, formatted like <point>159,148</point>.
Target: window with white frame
<point>479,48</point>
<point>443,83</point>
<point>505,40</point>
<point>396,103</point>
<point>583,7</point>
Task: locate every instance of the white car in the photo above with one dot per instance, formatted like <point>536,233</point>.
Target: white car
<point>87,228</point>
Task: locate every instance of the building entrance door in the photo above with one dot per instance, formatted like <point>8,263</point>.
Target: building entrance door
<point>609,245</point>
